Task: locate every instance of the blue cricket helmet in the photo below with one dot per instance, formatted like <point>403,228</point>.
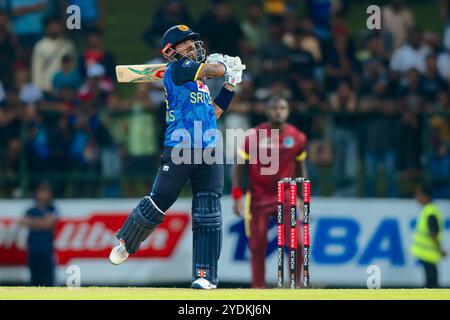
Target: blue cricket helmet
<point>174,36</point>
<point>178,34</point>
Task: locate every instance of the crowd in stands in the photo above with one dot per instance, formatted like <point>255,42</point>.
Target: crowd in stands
<point>374,104</point>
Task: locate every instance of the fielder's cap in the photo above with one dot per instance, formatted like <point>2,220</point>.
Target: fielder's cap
<point>178,34</point>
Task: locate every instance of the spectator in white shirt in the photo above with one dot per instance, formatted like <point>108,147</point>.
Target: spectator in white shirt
<point>48,53</point>
<point>411,55</point>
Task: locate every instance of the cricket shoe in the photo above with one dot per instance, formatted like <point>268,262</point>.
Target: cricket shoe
<point>202,283</point>
<point>118,254</point>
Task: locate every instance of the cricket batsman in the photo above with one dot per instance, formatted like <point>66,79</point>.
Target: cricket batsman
<point>188,107</point>
<point>261,200</point>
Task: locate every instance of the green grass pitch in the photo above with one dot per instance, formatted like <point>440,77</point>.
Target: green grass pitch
<point>106,293</point>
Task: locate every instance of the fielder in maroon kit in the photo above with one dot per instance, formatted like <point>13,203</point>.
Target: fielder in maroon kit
<point>261,195</point>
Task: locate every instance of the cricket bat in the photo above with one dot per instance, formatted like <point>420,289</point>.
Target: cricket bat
<point>140,73</point>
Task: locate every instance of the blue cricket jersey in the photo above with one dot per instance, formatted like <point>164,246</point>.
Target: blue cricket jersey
<point>189,108</point>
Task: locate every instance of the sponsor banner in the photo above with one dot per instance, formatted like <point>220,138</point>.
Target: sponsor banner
<point>347,236</point>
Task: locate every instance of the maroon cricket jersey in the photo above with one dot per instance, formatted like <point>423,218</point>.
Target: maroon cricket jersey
<point>292,148</point>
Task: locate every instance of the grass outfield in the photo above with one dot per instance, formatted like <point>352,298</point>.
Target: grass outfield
<point>106,293</point>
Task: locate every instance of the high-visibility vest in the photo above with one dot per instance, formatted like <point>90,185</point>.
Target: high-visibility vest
<point>423,246</point>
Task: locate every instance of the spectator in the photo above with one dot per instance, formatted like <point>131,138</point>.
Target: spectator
<point>432,84</point>
<point>372,64</point>
<point>48,53</point>
<point>67,76</point>
<point>321,13</point>
<point>397,19</point>
<point>95,90</point>
<point>339,59</point>
<point>410,55</point>
<point>41,220</point>
<point>443,64</point>
<point>37,144</point>
<point>95,52</point>
<point>410,104</point>
<point>220,30</point>
<point>171,13</point>
<point>8,44</point>
<point>11,145</point>
<point>444,10</point>
<point>274,58</point>
<point>88,136</point>
<point>344,103</point>
<point>28,92</point>
<point>142,144</point>
<point>28,17</point>
<point>253,31</point>
<point>306,39</point>
<point>438,165</point>
<point>379,139</point>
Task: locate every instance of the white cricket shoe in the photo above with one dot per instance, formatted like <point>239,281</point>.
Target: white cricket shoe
<point>118,254</point>
<point>202,283</point>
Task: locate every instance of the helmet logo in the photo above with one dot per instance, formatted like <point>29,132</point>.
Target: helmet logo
<point>183,27</point>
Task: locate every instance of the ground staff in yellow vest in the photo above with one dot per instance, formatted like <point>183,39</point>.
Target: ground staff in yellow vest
<point>426,245</point>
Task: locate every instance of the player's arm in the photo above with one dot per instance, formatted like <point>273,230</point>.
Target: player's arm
<point>223,99</point>
<point>236,188</point>
<point>39,223</point>
<point>211,70</point>
<point>237,171</point>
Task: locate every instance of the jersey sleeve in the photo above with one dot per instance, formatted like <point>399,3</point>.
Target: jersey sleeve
<point>300,150</point>
<point>185,70</point>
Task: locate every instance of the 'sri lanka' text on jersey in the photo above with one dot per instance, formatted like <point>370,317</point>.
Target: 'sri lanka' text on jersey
<point>188,102</point>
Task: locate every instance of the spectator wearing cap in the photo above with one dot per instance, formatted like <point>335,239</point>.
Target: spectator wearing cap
<point>48,53</point>
<point>41,220</point>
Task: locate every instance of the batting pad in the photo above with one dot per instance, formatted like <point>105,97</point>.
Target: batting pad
<point>207,235</point>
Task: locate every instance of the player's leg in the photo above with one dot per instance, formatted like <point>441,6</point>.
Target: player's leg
<point>256,228</point>
<point>207,188</point>
<point>150,211</point>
